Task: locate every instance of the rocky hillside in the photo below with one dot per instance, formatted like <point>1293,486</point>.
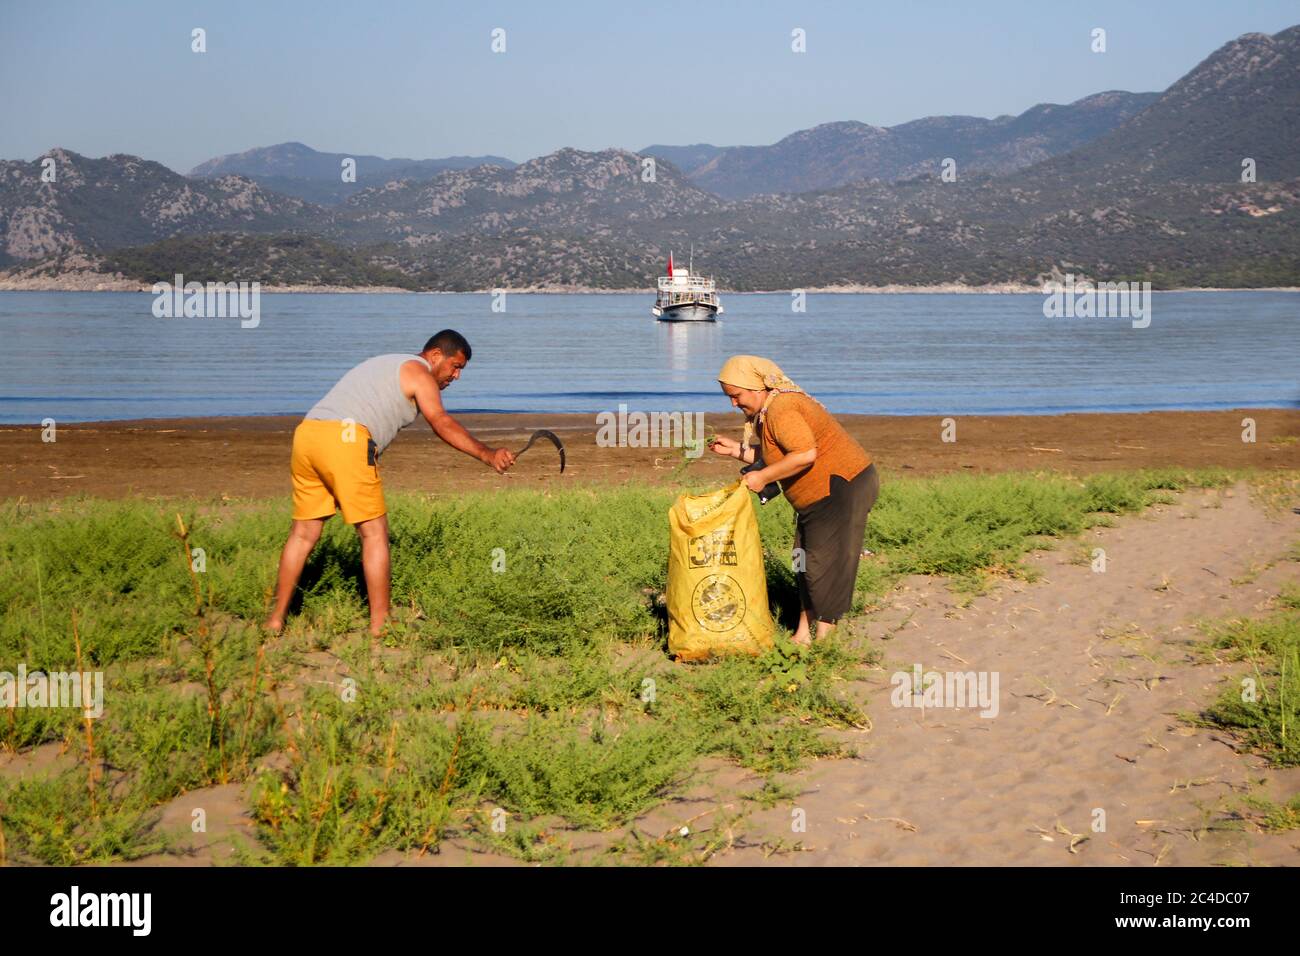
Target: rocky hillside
<point>568,191</point>
<point>1173,235</point>
<point>686,158</point>
<point>295,169</point>
<point>97,204</point>
<point>836,154</point>
<point>1241,101</point>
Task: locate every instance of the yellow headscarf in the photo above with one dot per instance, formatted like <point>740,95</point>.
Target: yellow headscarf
<point>755,373</point>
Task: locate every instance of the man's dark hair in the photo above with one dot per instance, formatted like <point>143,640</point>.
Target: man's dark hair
<point>449,342</point>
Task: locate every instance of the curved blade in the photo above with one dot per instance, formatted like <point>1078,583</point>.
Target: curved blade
<point>549,436</point>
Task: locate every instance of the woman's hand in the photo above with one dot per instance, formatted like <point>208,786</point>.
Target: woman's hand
<point>725,446</point>
<point>756,480</point>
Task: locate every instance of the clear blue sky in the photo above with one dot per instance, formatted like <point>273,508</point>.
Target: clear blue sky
<point>418,79</point>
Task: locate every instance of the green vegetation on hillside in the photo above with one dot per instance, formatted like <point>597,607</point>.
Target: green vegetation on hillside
<point>271,260</point>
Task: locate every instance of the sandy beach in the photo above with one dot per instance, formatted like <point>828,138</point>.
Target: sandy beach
<point>1095,670</point>
<point>248,457</point>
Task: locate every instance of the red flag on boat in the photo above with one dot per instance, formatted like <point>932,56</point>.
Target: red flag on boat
<point>670,265</point>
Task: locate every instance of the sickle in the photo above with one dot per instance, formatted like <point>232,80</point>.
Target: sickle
<point>549,436</point>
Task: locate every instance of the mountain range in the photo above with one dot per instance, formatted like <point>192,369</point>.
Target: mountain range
<point>823,157</point>
<point>1116,185</point>
<point>298,170</point>
<point>835,154</point>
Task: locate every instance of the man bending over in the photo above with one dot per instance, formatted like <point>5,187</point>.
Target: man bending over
<point>336,449</point>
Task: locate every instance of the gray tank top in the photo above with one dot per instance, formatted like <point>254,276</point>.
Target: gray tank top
<point>371,395</point>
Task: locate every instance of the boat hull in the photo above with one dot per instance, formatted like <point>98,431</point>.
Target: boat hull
<point>688,312</point>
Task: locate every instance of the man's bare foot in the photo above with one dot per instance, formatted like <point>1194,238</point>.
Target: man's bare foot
<point>801,638</point>
<point>274,624</point>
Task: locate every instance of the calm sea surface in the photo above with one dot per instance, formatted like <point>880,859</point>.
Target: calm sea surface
<point>93,356</point>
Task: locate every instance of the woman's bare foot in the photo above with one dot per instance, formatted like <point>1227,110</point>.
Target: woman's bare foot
<point>802,634</point>
<point>274,624</point>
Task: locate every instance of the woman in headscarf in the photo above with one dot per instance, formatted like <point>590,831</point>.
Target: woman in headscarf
<point>827,477</point>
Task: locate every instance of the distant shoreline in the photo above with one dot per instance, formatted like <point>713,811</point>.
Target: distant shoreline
<point>97,282</point>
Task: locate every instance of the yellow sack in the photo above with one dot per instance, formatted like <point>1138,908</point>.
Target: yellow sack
<point>717,590</point>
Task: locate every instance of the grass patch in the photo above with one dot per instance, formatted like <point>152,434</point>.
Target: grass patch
<point>538,690</point>
<point>1271,816</point>
<point>1263,706</point>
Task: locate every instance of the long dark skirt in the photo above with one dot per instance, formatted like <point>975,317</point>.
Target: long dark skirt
<point>830,532</point>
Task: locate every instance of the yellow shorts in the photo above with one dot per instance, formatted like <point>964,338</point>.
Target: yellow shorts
<point>333,466</point>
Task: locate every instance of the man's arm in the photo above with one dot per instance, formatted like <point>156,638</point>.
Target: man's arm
<point>429,400</point>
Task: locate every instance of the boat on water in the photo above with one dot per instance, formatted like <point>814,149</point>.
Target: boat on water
<point>686,297</point>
